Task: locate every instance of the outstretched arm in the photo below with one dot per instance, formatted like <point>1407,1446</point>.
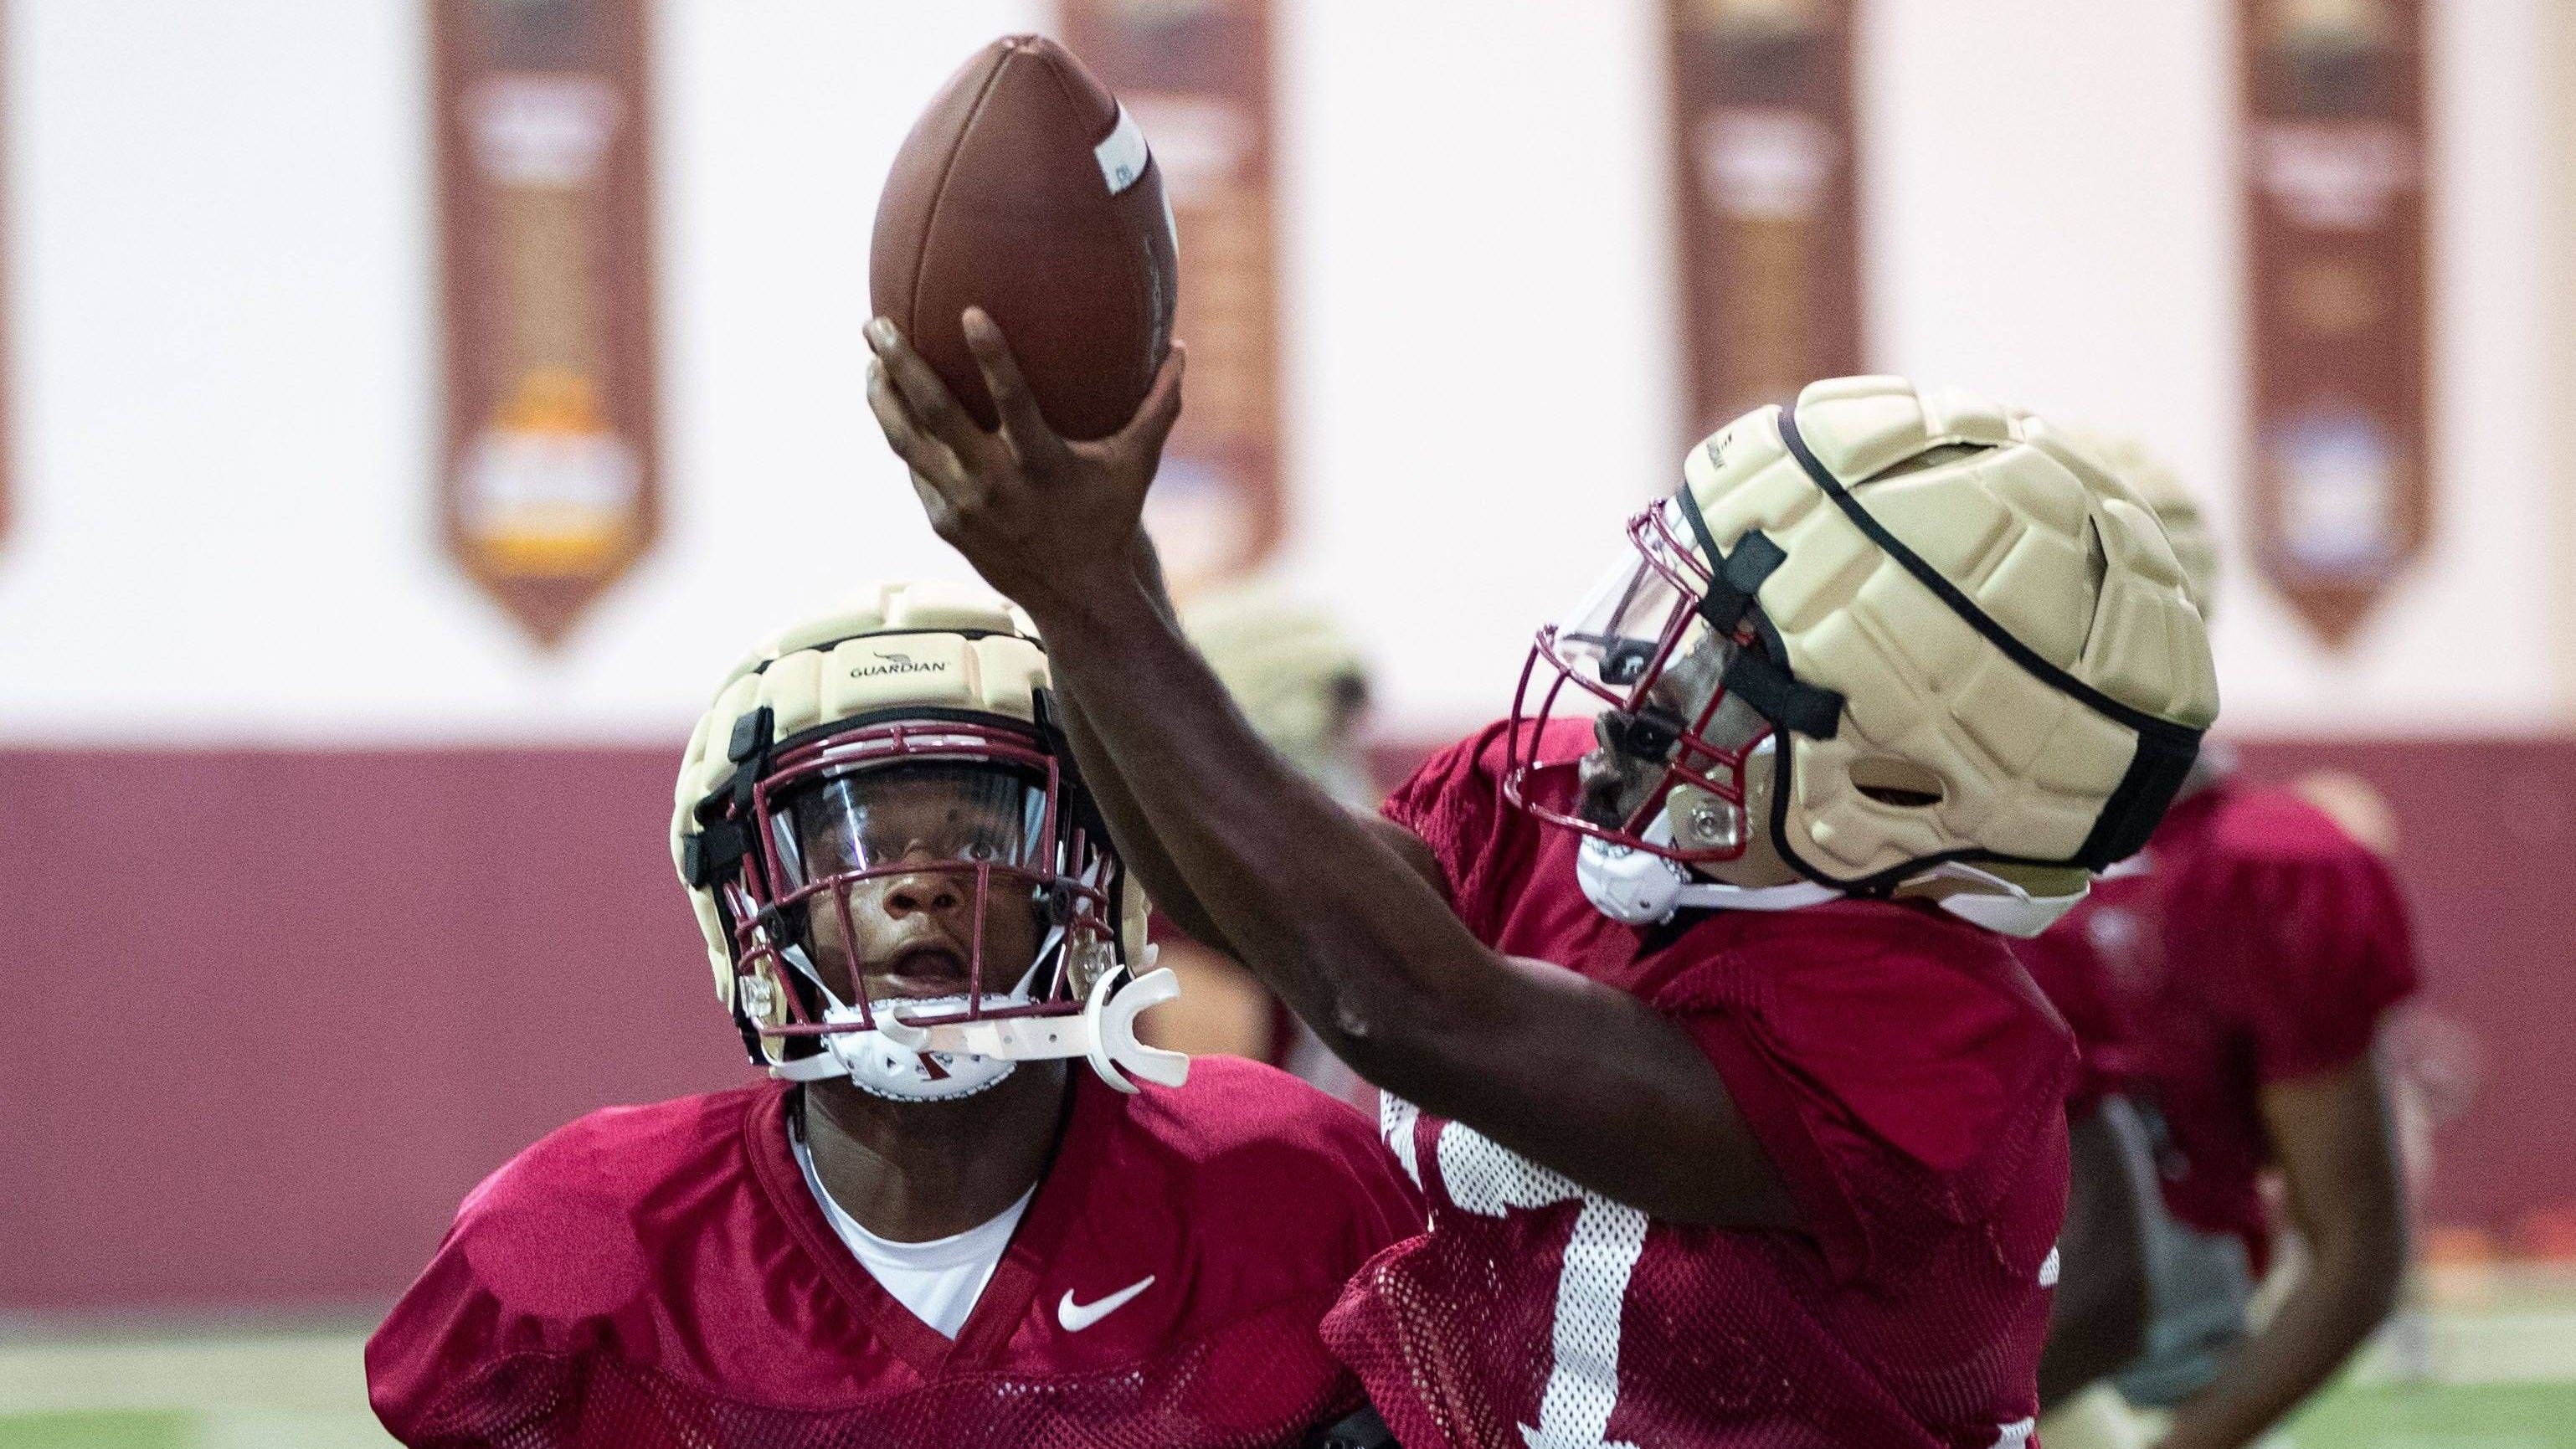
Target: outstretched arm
<point>1107,782</point>
<point>1107,779</point>
<point>1570,1073</point>
<point>2331,1134</point>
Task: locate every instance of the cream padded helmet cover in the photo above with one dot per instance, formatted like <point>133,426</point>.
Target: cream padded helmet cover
<point>2051,547</point>
<point>2176,508</point>
<point>1288,664</point>
<point>902,644</point>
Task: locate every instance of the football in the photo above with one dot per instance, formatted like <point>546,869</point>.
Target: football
<point>1027,190</point>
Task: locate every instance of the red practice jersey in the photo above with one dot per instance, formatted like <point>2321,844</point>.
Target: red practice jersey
<point>1904,1076</point>
<point>2252,942</point>
<point>663,1276</point>
<point>2091,967</point>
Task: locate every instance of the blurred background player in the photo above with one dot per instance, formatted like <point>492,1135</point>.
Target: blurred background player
<point>2227,986</point>
<point>928,1230</point>
<point>1302,685</point>
<point>1738,1123</point>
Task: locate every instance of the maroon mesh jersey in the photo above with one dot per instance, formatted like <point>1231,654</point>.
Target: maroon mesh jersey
<point>2253,942</point>
<point>2091,967</point>
<point>1905,1077</point>
<point>662,1275</point>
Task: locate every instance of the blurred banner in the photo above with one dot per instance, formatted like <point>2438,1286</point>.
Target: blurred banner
<point>1196,75</point>
<point>2334,174</point>
<point>548,488</point>
<point>1764,144</point>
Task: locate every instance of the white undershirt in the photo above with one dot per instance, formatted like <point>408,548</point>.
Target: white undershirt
<point>938,1280</point>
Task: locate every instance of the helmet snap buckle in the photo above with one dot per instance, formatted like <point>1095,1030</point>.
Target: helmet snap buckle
<point>1703,821</point>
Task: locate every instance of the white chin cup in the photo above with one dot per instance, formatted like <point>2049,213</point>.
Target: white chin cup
<point>1104,1034</point>
<point>1628,885</point>
<point>1640,888</point>
<point>882,1065</point>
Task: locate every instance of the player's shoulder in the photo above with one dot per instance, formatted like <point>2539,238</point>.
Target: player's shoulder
<point>1950,983</point>
<point>2266,824</point>
<point>1876,935</point>
<point>1454,804</point>
<point>1242,1139</point>
<point>575,1222</point>
<point>1925,1029</point>
<point>551,1253</point>
<point>605,1167</point>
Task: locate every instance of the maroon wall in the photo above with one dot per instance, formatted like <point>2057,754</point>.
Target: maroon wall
<point>273,1012</point>
<point>2487,835</point>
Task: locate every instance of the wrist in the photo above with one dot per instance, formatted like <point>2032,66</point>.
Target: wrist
<point>1105,605</point>
<point>1146,563</point>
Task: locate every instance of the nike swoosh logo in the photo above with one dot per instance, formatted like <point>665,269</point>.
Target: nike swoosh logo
<point>1078,1316</point>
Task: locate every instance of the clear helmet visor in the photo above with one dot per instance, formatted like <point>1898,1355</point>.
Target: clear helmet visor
<point>934,813</point>
<point>1650,669</point>
<point>1634,616</point>
<point>920,880</point>
<point>1638,642</point>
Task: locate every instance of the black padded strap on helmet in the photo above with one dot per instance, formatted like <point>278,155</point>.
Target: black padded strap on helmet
<point>714,853</point>
<point>1734,577</point>
<point>723,839</point>
<point>749,750</point>
<point>2165,750</point>
<point>1781,698</point>
<point>1081,808</point>
<point>1760,681</point>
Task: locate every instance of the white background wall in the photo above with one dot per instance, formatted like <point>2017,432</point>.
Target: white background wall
<point>223,342</point>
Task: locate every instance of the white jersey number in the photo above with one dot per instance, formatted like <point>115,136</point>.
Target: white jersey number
<point>1490,1180</point>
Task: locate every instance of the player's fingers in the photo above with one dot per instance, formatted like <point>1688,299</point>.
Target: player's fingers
<point>936,507</point>
<point>1023,426</point>
<point>934,408</point>
<point>928,458</point>
<point>1146,432</point>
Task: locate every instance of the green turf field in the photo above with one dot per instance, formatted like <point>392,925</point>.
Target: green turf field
<point>2496,1373</point>
<point>2442,1416</point>
<point>189,1391</point>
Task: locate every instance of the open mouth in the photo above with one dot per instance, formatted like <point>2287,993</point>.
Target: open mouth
<point>1612,789</point>
<point>930,968</point>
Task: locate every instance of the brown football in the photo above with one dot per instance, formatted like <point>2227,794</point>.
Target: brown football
<point>1024,189</point>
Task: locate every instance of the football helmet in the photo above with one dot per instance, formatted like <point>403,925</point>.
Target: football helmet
<point>899,756</point>
<point>1964,654</point>
<point>2185,523</point>
<point>1296,675</point>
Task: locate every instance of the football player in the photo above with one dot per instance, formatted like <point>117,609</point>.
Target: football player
<point>953,1218</point>
<point>1739,1123</point>
<point>2227,985</point>
<point>1302,686</point>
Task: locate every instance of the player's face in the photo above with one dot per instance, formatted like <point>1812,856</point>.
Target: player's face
<point>910,931</point>
<point>1617,784</point>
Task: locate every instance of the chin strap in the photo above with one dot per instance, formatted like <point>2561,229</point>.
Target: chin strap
<point>1640,888</point>
<point>1719,896</point>
<point>1105,1033</point>
<point>1998,904</point>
